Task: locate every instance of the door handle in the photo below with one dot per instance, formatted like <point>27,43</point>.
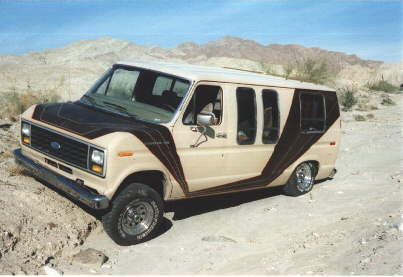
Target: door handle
<point>221,135</point>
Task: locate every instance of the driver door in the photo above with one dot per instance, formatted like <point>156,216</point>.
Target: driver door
<point>202,149</point>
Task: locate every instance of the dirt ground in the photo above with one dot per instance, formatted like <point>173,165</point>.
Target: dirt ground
<point>351,224</point>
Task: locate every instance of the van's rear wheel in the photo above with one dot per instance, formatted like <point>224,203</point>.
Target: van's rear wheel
<point>301,181</point>
<point>135,215</point>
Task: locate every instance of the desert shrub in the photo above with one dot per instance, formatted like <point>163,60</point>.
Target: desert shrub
<point>314,71</point>
<point>362,107</point>
<point>17,170</point>
<point>383,86</point>
<point>372,107</point>
<point>370,116</point>
<point>13,103</point>
<point>387,101</point>
<point>359,117</point>
<point>7,155</point>
<point>347,99</point>
<point>288,70</point>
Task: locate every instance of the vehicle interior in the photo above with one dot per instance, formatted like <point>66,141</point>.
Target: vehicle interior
<point>206,99</point>
<point>146,94</point>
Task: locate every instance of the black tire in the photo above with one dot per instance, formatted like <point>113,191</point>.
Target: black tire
<point>293,187</point>
<point>122,222</point>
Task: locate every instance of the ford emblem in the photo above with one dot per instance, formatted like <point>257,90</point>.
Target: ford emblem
<point>55,145</point>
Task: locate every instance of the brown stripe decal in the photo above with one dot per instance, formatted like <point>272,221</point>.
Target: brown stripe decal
<point>92,123</point>
<point>291,145</point>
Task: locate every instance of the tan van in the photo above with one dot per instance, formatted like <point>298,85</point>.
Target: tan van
<point>148,132</point>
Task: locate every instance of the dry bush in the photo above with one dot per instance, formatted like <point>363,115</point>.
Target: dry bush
<point>288,70</point>
<point>314,71</point>
<point>17,170</point>
<point>387,101</point>
<point>370,116</point>
<point>383,86</point>
<point>7,155</point>
<point>347,98</point>
<point>13,103</point>
<point>363,107</point>
<point>359,117</point>
<point>307,70</point>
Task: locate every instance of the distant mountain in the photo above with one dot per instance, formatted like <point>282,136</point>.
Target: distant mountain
<point>72,69</point>
<point>234,47</point>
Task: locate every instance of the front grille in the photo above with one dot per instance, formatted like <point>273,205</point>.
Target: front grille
<point>71,151</point>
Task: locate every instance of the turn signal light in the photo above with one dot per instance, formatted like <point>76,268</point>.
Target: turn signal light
<point>125,154</point>
<point>26,140</point>
<point>96,168</point>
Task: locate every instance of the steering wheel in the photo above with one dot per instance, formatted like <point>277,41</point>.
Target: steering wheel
<point>170,108</point>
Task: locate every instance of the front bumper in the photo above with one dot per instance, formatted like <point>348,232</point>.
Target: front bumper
<point>70,187</point>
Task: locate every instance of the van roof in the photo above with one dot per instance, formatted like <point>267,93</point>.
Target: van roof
<point>220,74</point>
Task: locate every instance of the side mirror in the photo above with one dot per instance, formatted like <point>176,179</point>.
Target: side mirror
<point>204,119</point>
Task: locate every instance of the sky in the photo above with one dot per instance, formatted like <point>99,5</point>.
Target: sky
<point>372,29</point>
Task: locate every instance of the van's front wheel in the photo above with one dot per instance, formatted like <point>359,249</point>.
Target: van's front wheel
<point>301,181</point>
<point>135,215</point>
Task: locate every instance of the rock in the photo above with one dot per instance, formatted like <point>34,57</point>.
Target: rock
<point>90,257</point>
<point>51,225</point>
<point>365,261</point>
<point>106,266</point>
<point>4,124</point>
<point>218,239</point>
<point>51,271</point>
<point>15,229</point>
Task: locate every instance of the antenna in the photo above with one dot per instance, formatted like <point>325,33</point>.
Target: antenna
<point>246,70</point>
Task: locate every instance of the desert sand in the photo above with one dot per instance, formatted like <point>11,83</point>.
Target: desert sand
<point>351,224</point>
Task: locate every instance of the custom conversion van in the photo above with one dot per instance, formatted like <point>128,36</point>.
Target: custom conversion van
<point>148,132</point>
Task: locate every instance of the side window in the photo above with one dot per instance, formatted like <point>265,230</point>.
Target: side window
<point>206,99</point>
<point>312,112</point>
<point>181,88</point>
<point>271,122</point>
<point>246,115</point>
<point>161,84</point>
<point>101,89</point>
<point>122,84</point>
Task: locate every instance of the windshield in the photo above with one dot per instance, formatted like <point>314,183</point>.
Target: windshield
<point>140,93</point>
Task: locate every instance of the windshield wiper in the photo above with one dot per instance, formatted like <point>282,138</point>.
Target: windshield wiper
<point>120,109</point>
<point>90,100</point>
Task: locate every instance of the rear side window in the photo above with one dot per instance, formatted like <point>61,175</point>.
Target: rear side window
<point>312,112</point>
<point>270,116</point>
<point>161,84</point>
<point>181,88</point>
<point>246,133</point>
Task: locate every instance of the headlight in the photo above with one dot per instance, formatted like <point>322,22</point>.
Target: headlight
<point>97,157</point>
<point>26,133</point>
<point>26,129</point>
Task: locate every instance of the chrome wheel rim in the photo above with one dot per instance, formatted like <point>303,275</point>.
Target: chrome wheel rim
<point>304,177</point>
<point>137,217</point>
